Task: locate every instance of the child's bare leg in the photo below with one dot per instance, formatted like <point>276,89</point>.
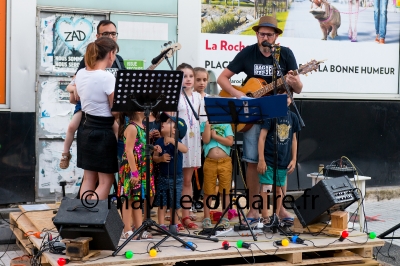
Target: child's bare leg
<point>145,206</point>
<point>72,127</point>
<point>278,200</point>
<point>206,203</point>
<point>265,190</point>
<point>227,202</point>
<point>137,214</point>
<point>127,216</point>
<point>161,214</point>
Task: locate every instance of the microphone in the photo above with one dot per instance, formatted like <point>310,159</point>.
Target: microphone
<point>157,58</point>
<point>267,44</point>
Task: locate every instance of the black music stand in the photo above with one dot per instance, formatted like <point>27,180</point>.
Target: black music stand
<point>148,90</point>
<point>247,111</point>
<point>391,230</point>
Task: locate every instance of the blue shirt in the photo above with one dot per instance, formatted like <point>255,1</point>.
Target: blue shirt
<point>223,130</point>
<point>168,168</point>
<point>287,126</point>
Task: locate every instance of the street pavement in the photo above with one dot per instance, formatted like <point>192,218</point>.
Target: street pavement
<point>302,24</point>
<point>380,217</point>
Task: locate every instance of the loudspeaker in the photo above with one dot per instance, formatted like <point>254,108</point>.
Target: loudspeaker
<point>326,197</point>
<point>102,222</point>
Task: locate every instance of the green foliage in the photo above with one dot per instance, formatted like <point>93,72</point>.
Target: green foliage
<point>225,24</point>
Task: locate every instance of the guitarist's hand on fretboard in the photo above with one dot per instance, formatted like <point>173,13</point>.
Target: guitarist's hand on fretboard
<point>294,81</point>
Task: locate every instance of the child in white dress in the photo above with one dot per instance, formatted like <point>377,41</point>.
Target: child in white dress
<point>191,159</point>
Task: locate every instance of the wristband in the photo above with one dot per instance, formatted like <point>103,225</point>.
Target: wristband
<point>135,174</point>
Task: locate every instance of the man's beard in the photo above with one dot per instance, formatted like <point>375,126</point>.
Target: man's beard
<point>264,49</point>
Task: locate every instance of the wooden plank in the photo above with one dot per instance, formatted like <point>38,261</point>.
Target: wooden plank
<point>322,261</point>
<point>296,257</point>
<point>363,252</point>
<point>41,219</point>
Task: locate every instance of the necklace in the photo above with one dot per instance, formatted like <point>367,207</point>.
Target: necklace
<point>190,116</point>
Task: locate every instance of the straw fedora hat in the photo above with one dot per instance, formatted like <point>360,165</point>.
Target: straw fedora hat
<point>268,21</point>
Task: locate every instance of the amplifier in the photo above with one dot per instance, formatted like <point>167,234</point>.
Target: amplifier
<point>326,197</point>
<point>336,170</point>
<point>102,223</point>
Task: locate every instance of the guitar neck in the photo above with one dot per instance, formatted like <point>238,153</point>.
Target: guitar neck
<point>152,67</point>
<point>270,87</point>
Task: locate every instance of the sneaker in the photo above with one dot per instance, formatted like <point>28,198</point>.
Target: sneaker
<point>382,41</point>
<point>377,38</point>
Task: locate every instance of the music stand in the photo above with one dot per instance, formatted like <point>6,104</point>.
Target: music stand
<point>148,90</point>
<point>242,111</point>
<point>391,230</point>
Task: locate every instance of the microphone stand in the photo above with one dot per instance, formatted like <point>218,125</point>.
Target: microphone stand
<point>276,64</point>
<point>275,221</point>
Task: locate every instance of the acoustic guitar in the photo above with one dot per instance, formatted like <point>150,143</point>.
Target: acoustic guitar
<point>258,87</point>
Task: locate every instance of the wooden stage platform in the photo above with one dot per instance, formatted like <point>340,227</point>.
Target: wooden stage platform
<point>357,249</point>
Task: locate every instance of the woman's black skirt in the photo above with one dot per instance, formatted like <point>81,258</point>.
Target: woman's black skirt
<point>97,144</point>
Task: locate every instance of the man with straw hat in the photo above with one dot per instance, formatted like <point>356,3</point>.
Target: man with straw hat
<point>256,61</point>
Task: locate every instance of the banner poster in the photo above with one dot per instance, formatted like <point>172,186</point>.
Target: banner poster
<point>63,41</point>
<point>354,62</point>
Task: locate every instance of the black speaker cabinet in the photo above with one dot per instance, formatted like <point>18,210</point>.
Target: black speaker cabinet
<point>103,223</point>
<point>326,197</point>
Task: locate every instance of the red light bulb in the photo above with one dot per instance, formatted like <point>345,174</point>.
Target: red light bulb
<point>344,235</point>
<point>225,245</point>
<point>61,261</point>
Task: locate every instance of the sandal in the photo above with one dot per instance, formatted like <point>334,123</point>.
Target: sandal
<point>146,235</point>
<point>192,216</point>
<point>225,223</point>
<point>250,220</point>
<point>126,235</point>
<point>163,226</point>
<point>206,223</point>
<point>167,216</point>
<point>180,227</point>
<point>288,221</point>
<point>65,158</point>
<point>189,225</point>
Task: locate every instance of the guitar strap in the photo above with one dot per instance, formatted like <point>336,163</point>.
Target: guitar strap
<point>277,55</point>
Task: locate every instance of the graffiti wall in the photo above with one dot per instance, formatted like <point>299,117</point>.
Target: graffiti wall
<point>340,32</point>
<point>63,40</point>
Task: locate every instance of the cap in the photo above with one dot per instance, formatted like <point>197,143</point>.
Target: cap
<point>182,127</point>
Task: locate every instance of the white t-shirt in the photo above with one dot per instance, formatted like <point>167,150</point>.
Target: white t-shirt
<point>93,88</point>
